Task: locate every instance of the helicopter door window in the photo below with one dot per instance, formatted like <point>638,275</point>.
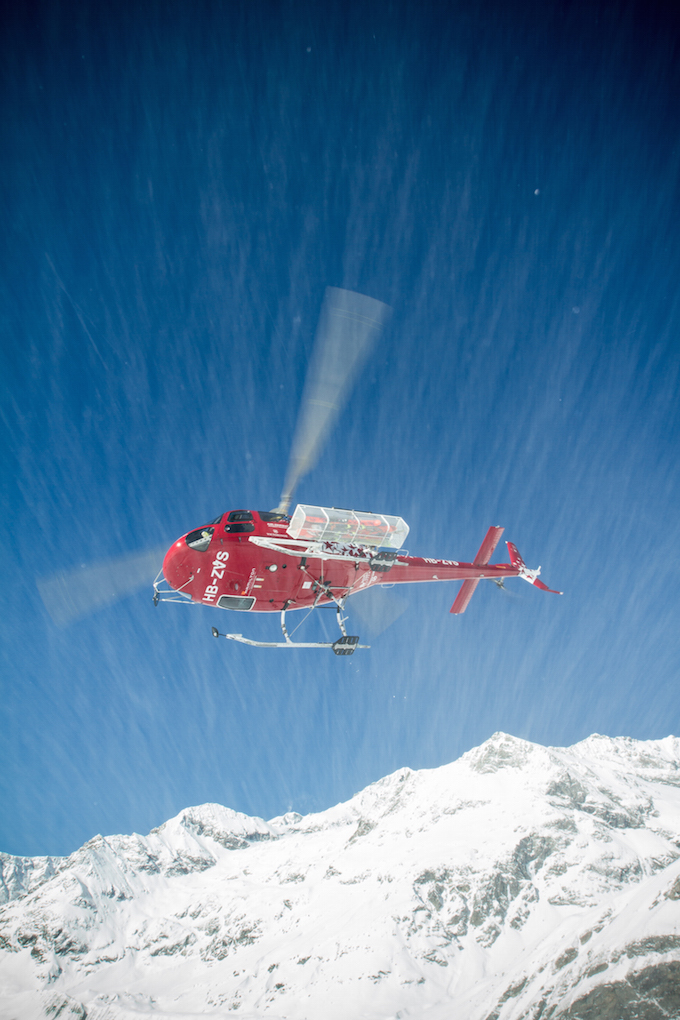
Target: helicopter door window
<point>200,539</point>
<point>239,520</point>
<point>242,604</point>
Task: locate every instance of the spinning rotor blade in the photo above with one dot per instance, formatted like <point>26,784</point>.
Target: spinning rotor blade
<point>348,326</point>
<point>70,594</point>
<point>377,608</point>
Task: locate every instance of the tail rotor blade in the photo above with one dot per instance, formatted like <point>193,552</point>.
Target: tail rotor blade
<point>348,327</point>
<point>71,594</point>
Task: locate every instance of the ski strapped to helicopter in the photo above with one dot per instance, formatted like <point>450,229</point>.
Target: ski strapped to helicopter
<point>270,561</point>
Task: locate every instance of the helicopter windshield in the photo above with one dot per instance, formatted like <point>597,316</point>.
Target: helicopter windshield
<point>200,539</point>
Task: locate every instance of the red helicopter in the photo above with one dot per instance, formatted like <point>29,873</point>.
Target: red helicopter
<point>270,561</point>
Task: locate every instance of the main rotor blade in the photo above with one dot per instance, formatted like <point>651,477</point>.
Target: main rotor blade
<point>70,594</point>
<point>348,327</point>
<point>377,607</point>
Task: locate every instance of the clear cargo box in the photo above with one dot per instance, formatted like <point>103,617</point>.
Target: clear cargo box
<point>320,523</point>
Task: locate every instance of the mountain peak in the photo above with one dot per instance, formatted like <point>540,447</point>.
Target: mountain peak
<point>519,880</point>
<point>230,829</point>
<point>502,751</point>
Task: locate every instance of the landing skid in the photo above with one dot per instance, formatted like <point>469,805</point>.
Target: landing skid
<point>345,645</point>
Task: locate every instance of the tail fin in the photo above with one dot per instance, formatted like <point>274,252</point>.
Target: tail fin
<point>523,571</point>
<point>467,588</point>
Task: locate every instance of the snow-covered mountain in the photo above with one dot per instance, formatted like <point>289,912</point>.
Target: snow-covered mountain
<point>518,882</point>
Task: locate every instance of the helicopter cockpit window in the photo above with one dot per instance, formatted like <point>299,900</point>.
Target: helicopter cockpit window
<point>239,520</point>
<point>199,540</point>
<point>217,520</point>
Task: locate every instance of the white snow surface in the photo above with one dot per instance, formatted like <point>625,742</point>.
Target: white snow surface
<point>516,876</point>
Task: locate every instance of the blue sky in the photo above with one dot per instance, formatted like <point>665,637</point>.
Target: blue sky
<point>180,185</point>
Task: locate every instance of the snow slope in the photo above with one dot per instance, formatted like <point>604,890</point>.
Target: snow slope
<point>517,882</point>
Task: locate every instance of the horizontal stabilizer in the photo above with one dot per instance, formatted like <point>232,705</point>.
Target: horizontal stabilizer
<point>467,590</point>
<point>486,550</point>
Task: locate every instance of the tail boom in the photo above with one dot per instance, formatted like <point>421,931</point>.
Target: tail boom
<point>409,569</point>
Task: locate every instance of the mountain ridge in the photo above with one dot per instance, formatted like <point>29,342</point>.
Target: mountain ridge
<point>517,882</point>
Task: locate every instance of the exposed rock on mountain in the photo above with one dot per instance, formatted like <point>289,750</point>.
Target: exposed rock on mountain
<point>518,882</point>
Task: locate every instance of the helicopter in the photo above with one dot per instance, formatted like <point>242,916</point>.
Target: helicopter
<point>270,561</point>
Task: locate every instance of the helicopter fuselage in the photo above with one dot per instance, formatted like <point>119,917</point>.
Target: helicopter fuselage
<point>246,561</point>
